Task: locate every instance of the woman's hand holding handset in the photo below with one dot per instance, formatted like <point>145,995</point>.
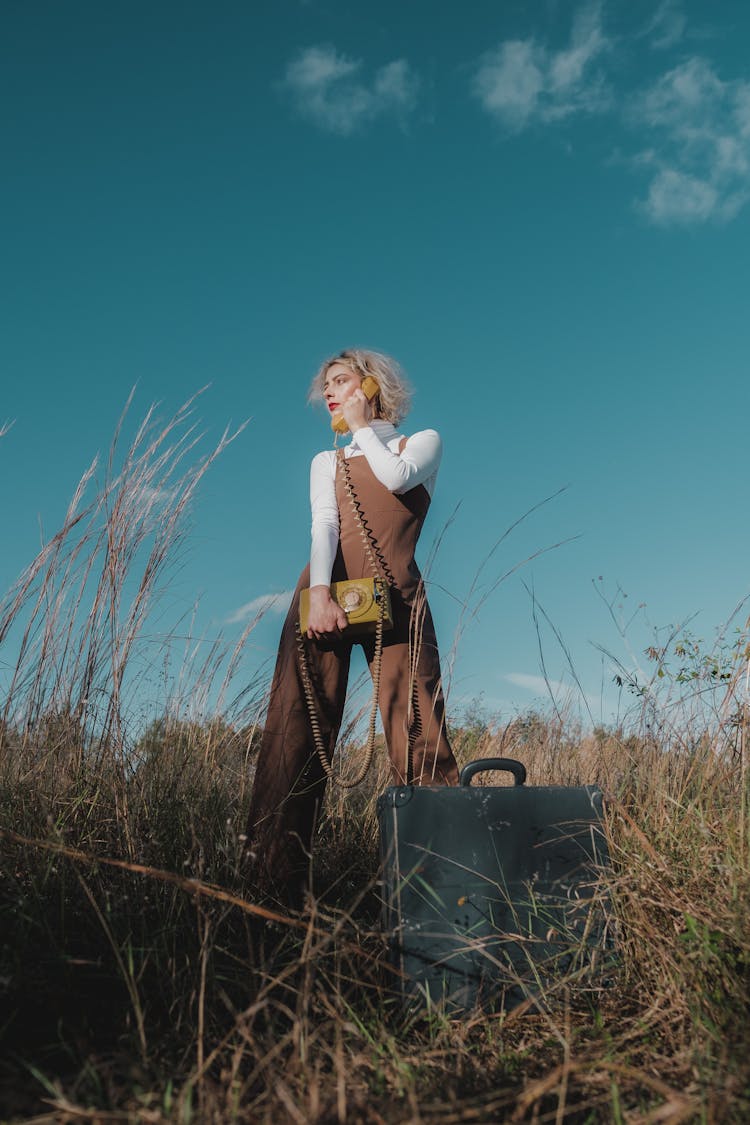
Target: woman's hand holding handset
<point>355,410</point>
<point>326,617</point>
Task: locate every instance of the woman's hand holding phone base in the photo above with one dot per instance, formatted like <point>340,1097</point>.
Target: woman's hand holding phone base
<point>327,618</point>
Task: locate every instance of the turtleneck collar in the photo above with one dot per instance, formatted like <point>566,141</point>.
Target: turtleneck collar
<point>384,430</point>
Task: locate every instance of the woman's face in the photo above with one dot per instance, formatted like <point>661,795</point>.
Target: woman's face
<point>340,382</point>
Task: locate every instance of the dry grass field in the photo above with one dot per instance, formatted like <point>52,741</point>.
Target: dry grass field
<point>141,978</point>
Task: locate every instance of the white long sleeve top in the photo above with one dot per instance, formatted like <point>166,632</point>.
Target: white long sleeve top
<point>378,442</point>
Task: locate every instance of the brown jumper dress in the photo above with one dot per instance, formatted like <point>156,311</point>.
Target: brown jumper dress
<point>289,779</point>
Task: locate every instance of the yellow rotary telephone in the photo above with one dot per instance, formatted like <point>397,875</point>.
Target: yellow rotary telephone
<point>369,387</point>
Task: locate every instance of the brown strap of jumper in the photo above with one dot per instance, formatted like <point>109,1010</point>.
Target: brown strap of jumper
<point>375,557</point>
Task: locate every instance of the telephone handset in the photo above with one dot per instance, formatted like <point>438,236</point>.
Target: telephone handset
<point>369,387</point>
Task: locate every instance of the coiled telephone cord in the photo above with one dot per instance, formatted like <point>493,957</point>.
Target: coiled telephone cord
<point>312,708</point>
<point>383,576</point>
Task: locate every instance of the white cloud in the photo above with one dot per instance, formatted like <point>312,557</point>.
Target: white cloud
<point>266,603</point>
<point>667,25</point>
<point>568,68</point>
<point>674,197</point>
<point>694,126</point>
<point>683,98</point>
<point>561,691</point>
<point>328,88</point>
<point>537,684</point>
<point>522,81</point>
<point>509,82</point>
<point>700,158</point>
<point>395,84</point>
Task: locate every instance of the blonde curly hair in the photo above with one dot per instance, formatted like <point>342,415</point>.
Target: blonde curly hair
<point>394,398</point>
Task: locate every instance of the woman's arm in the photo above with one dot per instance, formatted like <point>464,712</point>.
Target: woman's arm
<point>325,617</point>
<point>325,519</point>
<point>399,472</point>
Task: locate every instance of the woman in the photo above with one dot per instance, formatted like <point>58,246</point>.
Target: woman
<point>393,478</point>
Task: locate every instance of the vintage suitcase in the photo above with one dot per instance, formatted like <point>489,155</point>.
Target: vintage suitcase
<point>490,893</point>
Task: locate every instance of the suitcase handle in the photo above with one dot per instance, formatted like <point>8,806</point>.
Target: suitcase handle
<point>518,769</point>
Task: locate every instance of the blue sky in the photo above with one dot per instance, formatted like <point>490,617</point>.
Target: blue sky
<point>541,209</point>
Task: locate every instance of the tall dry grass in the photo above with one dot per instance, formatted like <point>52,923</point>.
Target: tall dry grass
<point>142,979</point>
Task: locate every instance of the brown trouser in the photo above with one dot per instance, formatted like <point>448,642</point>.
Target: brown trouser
<point>290,781</point>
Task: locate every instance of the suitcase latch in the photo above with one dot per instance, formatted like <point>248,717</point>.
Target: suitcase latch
<point>401,795</point>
